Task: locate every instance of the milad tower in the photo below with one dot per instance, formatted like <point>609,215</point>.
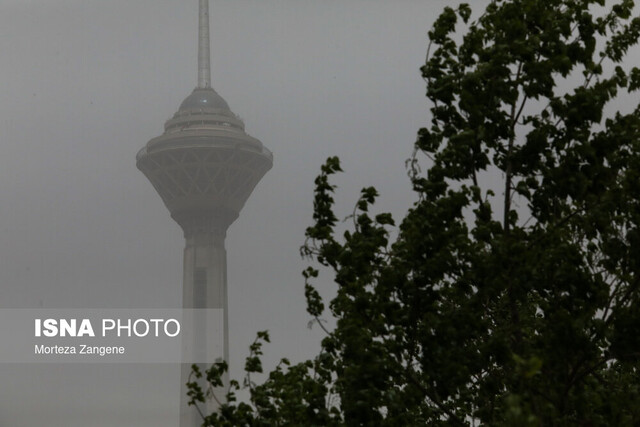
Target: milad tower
<point>204,167</point>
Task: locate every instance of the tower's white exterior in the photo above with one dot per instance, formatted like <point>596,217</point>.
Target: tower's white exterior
<point>204,167</point>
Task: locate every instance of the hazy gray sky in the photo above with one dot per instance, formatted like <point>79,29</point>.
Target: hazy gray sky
<point>86,83</point>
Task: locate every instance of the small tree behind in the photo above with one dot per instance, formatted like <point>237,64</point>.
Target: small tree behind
<point>508,305</point>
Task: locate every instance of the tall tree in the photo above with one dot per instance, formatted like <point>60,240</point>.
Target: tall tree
<point>511,293</point>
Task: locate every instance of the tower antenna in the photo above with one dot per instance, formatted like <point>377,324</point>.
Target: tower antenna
<point>204,60</point>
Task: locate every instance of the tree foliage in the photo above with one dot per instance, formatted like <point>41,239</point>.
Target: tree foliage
<point>510,295</point>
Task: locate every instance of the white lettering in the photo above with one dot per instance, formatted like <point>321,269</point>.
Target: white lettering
<point>146,330</point>
<point>50,328</point>
<point>63,328</point>
<point>86,329</point>
<point>166,328</point>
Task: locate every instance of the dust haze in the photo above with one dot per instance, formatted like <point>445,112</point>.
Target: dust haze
<point>87,83</point>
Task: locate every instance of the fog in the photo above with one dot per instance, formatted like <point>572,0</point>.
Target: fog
<point>85,84</point>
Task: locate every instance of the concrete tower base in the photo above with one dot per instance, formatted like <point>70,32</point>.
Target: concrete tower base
<point>204,287</point>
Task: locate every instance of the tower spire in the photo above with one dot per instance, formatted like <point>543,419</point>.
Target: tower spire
<point>204,61</point>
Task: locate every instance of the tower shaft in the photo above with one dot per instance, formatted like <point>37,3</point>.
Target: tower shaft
<point>204,287</point>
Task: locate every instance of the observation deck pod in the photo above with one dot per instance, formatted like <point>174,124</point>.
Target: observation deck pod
<point>204,166</point>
